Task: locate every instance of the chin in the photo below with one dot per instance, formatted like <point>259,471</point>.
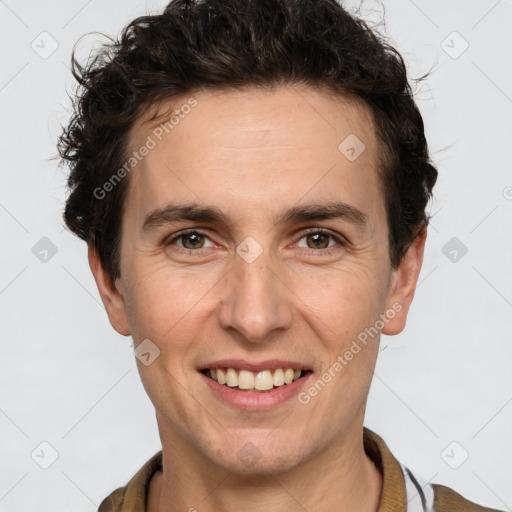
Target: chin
<point>262,467</point>
<point>259,458</point>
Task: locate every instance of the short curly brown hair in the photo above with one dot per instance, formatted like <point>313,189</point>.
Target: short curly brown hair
<point>198,44</point>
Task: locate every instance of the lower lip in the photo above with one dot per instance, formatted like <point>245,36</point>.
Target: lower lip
<point>255,401</point>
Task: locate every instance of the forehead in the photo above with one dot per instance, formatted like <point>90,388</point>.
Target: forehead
<point>217,147</point>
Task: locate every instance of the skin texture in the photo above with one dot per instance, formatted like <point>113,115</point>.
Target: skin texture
<point>253,155</point>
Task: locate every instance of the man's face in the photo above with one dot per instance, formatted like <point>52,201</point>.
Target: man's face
<point>257,290</point>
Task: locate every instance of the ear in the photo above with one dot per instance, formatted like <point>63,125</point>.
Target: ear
<point>403,285</point>
<point>111,296</point>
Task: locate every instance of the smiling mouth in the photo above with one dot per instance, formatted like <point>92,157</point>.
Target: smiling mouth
<point>263,381</point>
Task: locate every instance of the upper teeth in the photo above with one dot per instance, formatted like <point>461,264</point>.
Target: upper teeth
<point>261,381</point>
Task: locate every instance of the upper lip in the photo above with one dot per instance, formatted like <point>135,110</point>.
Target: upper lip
<point>254,366</point>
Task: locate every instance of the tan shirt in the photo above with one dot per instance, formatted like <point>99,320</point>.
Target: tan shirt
<point>401,491</point>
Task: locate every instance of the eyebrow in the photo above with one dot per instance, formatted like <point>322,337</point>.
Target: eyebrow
<point>302,213</point>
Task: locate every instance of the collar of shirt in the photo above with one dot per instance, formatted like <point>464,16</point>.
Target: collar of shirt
<point>132,497</point>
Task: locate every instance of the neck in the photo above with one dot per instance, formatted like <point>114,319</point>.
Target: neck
<point>340,478</point>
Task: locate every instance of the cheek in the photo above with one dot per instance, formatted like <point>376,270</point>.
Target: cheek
<point>344,307</point>
<point>344,299</point>
<point>164,303</point>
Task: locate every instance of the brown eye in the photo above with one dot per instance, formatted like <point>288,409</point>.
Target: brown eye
<point>190,240</point>
<point>321,240</point>
<point>318,241</point>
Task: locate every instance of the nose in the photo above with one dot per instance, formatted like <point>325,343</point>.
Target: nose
<point>256,302</point>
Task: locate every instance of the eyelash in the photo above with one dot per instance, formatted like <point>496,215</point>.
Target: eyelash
<point>310,231</point>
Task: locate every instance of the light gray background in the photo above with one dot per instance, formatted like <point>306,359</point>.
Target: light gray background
<point>70,380</point>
